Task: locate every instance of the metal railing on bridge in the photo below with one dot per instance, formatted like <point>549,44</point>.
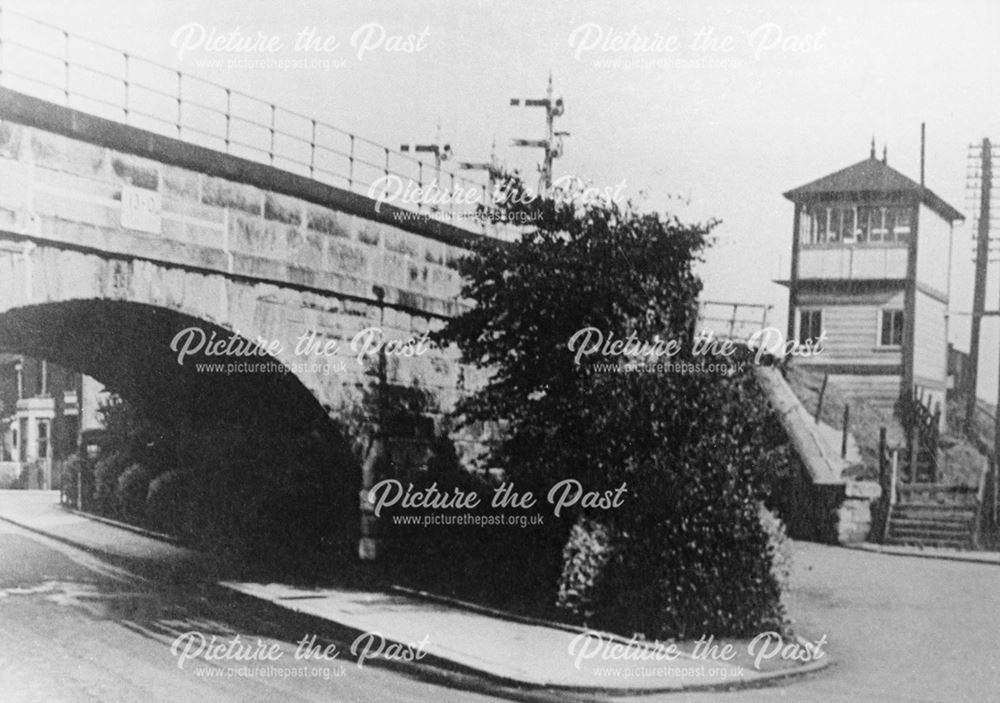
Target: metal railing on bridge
<point>50,63</point>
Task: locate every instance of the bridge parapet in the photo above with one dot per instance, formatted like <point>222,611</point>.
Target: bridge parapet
<point>55,188</point>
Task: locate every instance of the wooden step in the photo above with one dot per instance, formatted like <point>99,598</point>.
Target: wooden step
<point>927,526</point>
<point>925,542</point>
<point>929,534</point>
<point>933,512</point>
<point>931,525</point>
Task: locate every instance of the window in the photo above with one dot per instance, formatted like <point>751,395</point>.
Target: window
<point>835,225</point>
<point>891,329</point>
<point>900,223</point>
<point>822,224</point>
<point>810,325</point>
<point>819,217</point>
<point>849,224</point>
<point>878,228</point>
<point>866,213</point>
<point>43,439</point>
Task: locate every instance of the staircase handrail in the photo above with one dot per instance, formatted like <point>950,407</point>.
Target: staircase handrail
<point>984,478</point>
<point>894,462</point>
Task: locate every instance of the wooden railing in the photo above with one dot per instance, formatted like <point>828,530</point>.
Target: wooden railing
<point>922,434</point>
<point>732,320</point>
<point>888,478</point>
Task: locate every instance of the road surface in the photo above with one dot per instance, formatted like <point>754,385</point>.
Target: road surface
<point>76,629</point>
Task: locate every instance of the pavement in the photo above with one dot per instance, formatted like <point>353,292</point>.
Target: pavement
<point>972,557</point>
<point>79,630</point>
<point>394,626</point>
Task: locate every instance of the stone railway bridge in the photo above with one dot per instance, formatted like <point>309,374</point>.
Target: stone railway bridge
<point>114,239</point>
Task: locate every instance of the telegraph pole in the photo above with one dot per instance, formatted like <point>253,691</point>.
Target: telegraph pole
<point>553,142</point>
<point>979,292</point>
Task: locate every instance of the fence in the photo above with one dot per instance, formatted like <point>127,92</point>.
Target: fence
<point>923,433</point>
<point>47,62</point>
<point>736,321</point>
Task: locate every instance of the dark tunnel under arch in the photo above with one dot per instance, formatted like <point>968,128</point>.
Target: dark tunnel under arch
<point>126,347</point>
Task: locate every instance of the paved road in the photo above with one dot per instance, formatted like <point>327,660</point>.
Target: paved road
<point>73,629</point>
<point>901,629</point>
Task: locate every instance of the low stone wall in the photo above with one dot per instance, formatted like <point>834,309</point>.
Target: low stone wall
<point>834,513</point>
<point>9,473</point>
<point>855,513</point>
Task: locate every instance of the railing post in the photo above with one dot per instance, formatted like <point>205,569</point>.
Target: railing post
<point>350,167</point>
<point>882,463</point>
<point>890,499</point>
<point>843,439</point>
<point>66,65</point>
<point>125,82</point>
<point>180,86</point>
<point>312,151</point>
<point>822,392</point>
<point>935,425</point>
<point>229,112</point>
<point>271,152</point>
<point>893,477</point>
<point>914,450</point>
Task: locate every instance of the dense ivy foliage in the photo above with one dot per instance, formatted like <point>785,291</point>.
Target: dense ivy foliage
<point>686,553</point>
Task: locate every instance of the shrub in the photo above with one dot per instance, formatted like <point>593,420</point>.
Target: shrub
<point>166,503</point>
<point>106,473</point>
<point>133,484</point>
<point>585,559</point>
<point>23,481</point>
<point>688,557</point>
<point>687,554</point>
<point>78,470</point>
<point>779,547</point>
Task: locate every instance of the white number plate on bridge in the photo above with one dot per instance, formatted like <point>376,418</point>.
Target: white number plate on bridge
<point>141,210</point>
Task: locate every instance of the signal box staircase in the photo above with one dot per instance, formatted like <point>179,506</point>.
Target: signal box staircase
<point>933,516</point>
<point>919,511</point>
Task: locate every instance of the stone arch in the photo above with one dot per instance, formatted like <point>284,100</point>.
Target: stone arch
<point>127,346</point>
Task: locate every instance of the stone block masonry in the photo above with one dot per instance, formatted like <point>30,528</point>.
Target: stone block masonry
<point>242,246</point>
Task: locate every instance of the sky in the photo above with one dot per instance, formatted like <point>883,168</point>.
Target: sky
<point>702,109</point>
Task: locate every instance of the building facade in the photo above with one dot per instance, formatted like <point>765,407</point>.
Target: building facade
<point>43,409</point>
<point>870,276</point>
